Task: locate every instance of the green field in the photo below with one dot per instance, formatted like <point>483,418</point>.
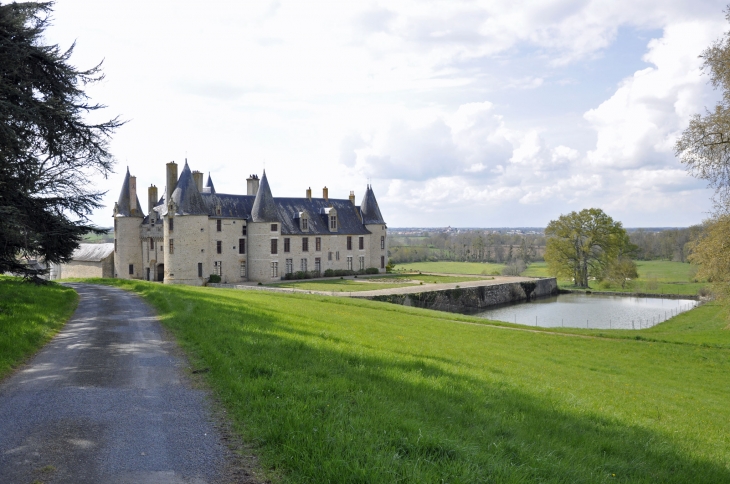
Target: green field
<point>447,267</point>
<point>655,277</point>
<point>29,317</point>
<point>372,284</point>
<point>340,390</point>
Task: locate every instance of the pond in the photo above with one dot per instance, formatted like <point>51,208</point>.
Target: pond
<point>590,311</point>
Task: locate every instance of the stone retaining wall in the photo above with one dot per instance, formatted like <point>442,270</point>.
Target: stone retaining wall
<point>470,299</point>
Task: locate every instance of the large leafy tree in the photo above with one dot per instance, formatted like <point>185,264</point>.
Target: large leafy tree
<point>48,149</point>
<point>583,244</point>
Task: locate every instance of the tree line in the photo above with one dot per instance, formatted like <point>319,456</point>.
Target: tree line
<point>469,246</point>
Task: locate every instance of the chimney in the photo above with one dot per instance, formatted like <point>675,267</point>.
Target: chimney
<point>352,197</point>
<point>252,185</point>
<point>133,196</point>
<point>171,180</point>
<point>309,194</point>
<point>151,198</point>
<point>325,194</point>
<point>198,177</point>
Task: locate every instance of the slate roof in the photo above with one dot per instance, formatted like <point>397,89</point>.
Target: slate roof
<point>186,197</point>
<point>284,211</point>
<point>123,205</point>
<point>264,208</point>
<point>92,252</point>
<point>369,208</point>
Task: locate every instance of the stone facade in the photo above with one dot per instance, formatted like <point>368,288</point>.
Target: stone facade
<point>192,232</point>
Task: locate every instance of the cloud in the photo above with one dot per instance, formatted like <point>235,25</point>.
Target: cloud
<point>638,124</point>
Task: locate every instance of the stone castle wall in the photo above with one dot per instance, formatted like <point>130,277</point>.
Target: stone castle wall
<point>472,299</point>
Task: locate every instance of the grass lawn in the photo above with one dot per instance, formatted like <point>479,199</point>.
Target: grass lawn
<point>337,285</point>
<point>371,284</point>
<point>447,267</point>
<point>29,317</point>
<point>341,390</point>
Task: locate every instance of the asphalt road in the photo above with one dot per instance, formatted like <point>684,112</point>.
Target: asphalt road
<point>106,401</point>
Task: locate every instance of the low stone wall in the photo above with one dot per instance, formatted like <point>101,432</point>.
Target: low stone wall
<point>471,299</point>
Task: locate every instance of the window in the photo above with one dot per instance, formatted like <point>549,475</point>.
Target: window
<point>289,266</point>
<point>382,242</point>
<point>287,244</point>
<point>152,243</point>
<point>219,225</point>
<point>329,255</point>
<point>172,246</point>
<point>333,222</point>
<point>217,209</point>
<point>305,224</point>
<point>305,244</point>
<point>218,247</point>
<point>349,262</point>
<point>170,224</point>
<point>274,227</point>
<point>131,268</point>
<point>317,264</point>
<point>243,230</point>
<point>362,262</point>
<point>337,255</point>
<point>304,265</point>
<point>218,268</point>
<point>318,244</point>
<point>243,269</point>
<point>200,269</point>
<point>349,242</point>
<point>361,243</point>
<point>382,262</point>
<point>241,246</point>
<point>274,269</point>
<point>274,246</point>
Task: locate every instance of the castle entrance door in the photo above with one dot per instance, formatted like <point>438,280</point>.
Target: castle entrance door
<point>160,272</point>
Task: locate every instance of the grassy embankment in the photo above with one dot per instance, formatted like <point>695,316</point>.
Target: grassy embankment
<point>29,317</point>
<point>385,281</point>
<point>341,390</point>
<point>655,277</point>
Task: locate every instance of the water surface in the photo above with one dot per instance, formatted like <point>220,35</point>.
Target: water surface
<point>591,311</point>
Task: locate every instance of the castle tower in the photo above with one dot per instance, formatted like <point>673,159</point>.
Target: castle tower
<point>128,217</point>
<point>264,231</point>
<point>185,233</point>
<point>377,243</point>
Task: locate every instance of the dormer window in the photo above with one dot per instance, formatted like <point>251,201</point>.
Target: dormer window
<point>330,217</point>
<point>303,221</point>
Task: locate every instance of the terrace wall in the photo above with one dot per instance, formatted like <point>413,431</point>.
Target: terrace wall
<point>472,299</point>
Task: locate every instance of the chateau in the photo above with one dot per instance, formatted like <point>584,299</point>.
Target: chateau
<point>192,232</point>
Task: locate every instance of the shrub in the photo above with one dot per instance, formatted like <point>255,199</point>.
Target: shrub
<point>338,272</point>
<point>372,270</point>
<point>514,269</point>
<point>214,278</point>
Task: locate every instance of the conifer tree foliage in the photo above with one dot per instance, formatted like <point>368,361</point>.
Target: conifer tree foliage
<point>583,244</point>
<point>48,151</point>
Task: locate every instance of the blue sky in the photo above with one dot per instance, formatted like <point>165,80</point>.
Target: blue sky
<point>460,113</point>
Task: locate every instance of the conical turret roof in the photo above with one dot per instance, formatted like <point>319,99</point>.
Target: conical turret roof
<point>264,208</point>
<point>124,204</point>
<point>209,184</point>
<point>186,197</point>
<point>369,208</point>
